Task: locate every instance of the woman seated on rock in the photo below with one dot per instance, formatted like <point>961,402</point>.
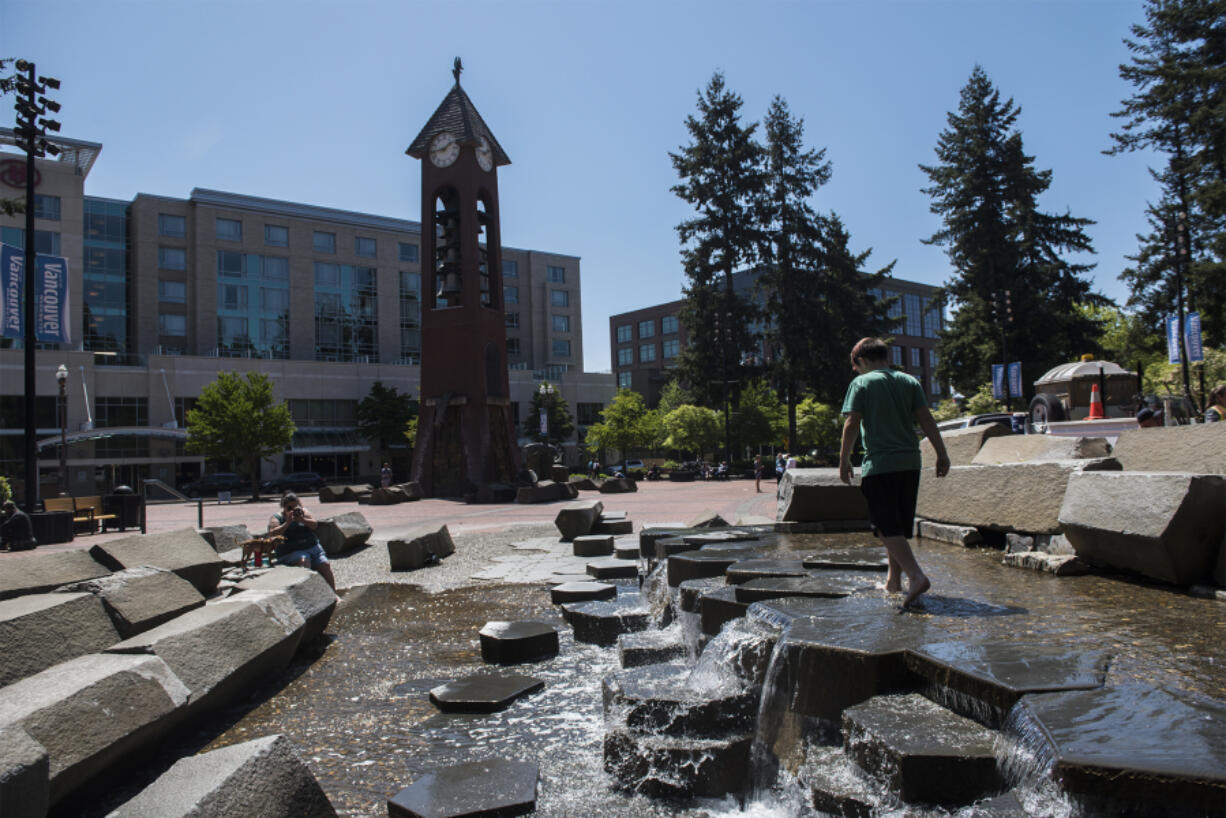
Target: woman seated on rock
<point>301,546</point>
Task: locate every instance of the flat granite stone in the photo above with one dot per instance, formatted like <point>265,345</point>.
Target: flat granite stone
<point>23,775</point>
<point>600,623</point>
<point>924,753</point>
<point>581,592</point>
<point>961,445</point>
<point>745,570</point>
<point>651,647</point>
<point>835,785</point>
<point>613,527</point>
<point>483,693</point>
<point>700,565</point>
<point>612,568</point>
<point>1025,448</point>
<point>864,558</point>
<point>650,533</point>
<point>828,584</point>
<point>964,535</point>
<point>139,599</point>
<point>419,548</point>
<point>692,590</point>
<point>40,630</point>
<point>656,699</point>
<point>815,495</point>
<point>576,519</point>
<point>494,787</point>
<point>625,549</point>
<point>707,519</point>
<point>1131,750</point>
<point>309,592</point>
<point>183,551</point>
<point>344,532</point>
<point>678,766</point>
<point>507,643</point>
<point>719,607</point>
<point>38,572</point>
<point>592,545</point>
<point>1062,565</point>
<point>1198,448</point>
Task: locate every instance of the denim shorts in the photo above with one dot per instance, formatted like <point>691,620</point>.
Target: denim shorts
<point>315,554</point>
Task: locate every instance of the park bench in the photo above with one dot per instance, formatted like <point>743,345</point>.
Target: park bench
<point>86,512</point>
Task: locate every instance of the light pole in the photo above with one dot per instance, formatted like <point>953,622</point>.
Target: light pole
<point>61,377</point>
<point>546,392</point>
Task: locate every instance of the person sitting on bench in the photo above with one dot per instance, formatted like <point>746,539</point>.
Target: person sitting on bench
<point>301,546</point>
<point>16,531</point>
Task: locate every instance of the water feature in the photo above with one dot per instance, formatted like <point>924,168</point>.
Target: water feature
<point>362,719</point>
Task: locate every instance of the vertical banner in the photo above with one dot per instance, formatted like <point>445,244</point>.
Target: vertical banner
<point>12,319</point>
<point>544,422</point>
<point>51,321</point>
<point>1191,335</point>
<point>998,381</point>
<point>1172,340</point>
<point>1015,379</point>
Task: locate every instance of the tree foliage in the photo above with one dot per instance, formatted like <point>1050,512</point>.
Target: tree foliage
<point>384,415</point>
<point>693,429</point>
<point>626,423</point>
<point>671,396</point>
<point>760,417</point>
<point>818,425</point>
<point>986,190</point>
<point>561,422</point>
<point>239,419</point>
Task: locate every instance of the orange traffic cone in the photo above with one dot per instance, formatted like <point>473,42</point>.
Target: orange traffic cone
<point>1096,404</point>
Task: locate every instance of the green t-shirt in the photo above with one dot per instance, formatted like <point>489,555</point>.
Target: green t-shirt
<point>886,401</point>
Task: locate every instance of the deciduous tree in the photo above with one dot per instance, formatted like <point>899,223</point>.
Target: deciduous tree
<point>693,429</point>
<point>384,415</point>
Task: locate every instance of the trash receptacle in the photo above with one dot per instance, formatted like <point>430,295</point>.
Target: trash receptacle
<point>125,507</point>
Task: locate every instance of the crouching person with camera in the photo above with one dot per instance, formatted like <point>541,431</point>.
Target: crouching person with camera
<point>301,546</point>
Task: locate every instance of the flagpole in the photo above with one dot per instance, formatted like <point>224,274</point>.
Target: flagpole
<point>27,266</point>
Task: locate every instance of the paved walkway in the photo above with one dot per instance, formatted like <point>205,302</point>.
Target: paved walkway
<point>654,502</point>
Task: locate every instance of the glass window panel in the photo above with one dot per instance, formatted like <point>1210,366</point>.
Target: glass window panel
<point>625,357</point>
<point>229,263</point>
<point>915,311</point>
<point>915,357</point>
<point>647,329</point>
<point>323,242</point>
<point>559,298</point>
<point>231,297</point>
<point>229,230</point>
<point>512,346</point>
<point>272,330</point>
<point>410,285</point>
<point>274,300</point>
<point>672,348</point>
<point>408,252</point>
<point>623,380</point>
<point>510,295</point>
<point>555,275</point>
<point>896,356</point>
<point>647,353</point>
<point>670,324</point>
<point>276,235</point>
<point>327,275</point>
<point>561,349</point>
<point>510,269</point>
<point>46,207</point>
<point>512,320</point>
<point>365,246</point>
<point>172,258</point>
<point>174,292</point>
<point>624,334</point>
<point>172,225</point>
<point>172,324</point>
<point>275,268</point>
<point>561,323</point>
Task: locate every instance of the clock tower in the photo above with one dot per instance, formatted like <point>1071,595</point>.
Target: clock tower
<point>465,435</point>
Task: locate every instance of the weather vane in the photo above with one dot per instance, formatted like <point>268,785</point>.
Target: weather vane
<point>456,69</point>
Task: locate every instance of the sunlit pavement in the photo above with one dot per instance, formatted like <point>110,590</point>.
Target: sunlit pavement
<point>654,502</point>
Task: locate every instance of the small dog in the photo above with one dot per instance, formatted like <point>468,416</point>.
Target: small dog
<point>260,547</point>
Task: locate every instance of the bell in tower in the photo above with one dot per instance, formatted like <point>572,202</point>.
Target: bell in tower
<point>465,433</point>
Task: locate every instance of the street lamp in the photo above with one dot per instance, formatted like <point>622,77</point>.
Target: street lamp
<point>546,392</point>
<point>61,377</point>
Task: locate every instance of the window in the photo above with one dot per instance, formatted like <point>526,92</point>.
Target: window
<point>510,295</point>
<point>559,298</point>
<point>275,268</point>
<point>229,230</point>
<point>272,330</point>
<point>932,321</point>
<point>669,325</point>
<point>915,357</point>
<point>647,353</point>
<point>276,235</point>
<point>231,297</point>
<point>172,225</point>
<point>625,357</point>
<point>323,242</point>
<point>229,264</point>
<point>274,300</point>
<point>934,386</point>
<point>555,275</point>
<point>327,275</point>
<point>623,380</point>
<point>172,292</point>
<point>408,252</point>
<point>231,330</point>
<point>512,346</point>
<point>364,246</point>
<point>172,324</point>
<point>112,412</point>
<point>896,356</point>
<point>588,413</point>
<point>46,207</point>
<point>561,323</point>
<point>672,348</point>
<point>624,334</point>
<point>895,310</point>
<point>510,269</point>
<point>172,258</point>
<point>932,359</point>
<point>915,314</point>
<point>647,329</point>
<point>561,349</point>
<point>512,320</point>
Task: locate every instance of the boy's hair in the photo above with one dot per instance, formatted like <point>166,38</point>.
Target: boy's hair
<point>871,349</point>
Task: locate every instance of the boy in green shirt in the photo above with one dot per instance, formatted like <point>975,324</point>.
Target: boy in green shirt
<point>884,406</point>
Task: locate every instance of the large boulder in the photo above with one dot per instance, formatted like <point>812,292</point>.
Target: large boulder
<point>183,551</point>
<point>40,630</point>
<point>139,599</point>
<point>1011,497</point>
<point>389,496</point>
<point>40,571</point>
<point>342,533</point>
<point>411,489</point>
<point>559,473</point>
<point>224,538</point>
<point>1199,449</point>
<point>354,493</point>
<point>1165,525</point>
<point>24,792</point>
<point>262,777</point>
<point>312,597</point>
<point>817,495</point>
<point>577,519</point>
<point>419,548</point>
<point>546,491</point>
<point>219,650</point>
<point>91,712</point>
<point>961,444</point>
<point>618,485</point>
<point>1026,448</point>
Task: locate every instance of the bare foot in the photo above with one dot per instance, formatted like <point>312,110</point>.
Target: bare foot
<point>893,586</point>
<point>916,589</point>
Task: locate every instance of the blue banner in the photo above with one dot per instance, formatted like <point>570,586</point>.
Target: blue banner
<point>1172,340</point>
<point>998,381</point>
<point>1015,379</point>
<point>1191,334</point>
<point>12,324</point>
<point>51,320</point>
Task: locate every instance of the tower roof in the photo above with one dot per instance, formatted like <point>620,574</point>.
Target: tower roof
<point>457,115</point>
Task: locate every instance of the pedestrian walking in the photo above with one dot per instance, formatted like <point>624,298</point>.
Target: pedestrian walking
<point>758,468</point>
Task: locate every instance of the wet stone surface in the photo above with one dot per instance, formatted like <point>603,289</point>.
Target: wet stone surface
<point>745,570</point>
<point>492,787</point>
<point>507,643</point>
<point>581,592</point>
<point>483,693</point>
<point>831,585</point>
<point>600,623</point>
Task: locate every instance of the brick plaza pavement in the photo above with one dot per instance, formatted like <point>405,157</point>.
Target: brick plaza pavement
<point>654,502</point>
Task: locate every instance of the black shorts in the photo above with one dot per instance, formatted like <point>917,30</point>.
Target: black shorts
<point>891,502</point>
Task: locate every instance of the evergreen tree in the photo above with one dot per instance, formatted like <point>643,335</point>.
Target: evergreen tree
<point>384,415</point>
<point>986,190</point>
<point>720,174</point>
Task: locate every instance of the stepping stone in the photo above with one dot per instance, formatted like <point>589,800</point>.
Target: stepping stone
<point>665,547</point>
<point>508,643</point>
<point>1146,751</point>
<point>828,585</point>
<point>982,680</point>
<point>699,565</point>
<point>577,519</point>
<point>835,785</point>
<point>746,570</point>
<point>678,767</point>
<point>707,519</point>
<point>658,700</point>
<point>924,753</point>
<point>850,559</point>
<point>483,693</point>
<point>613,516</point>
<point>581,592</point>
<point>600,623</point>
<point>719,607</point>
<point>593,545</point>
<point>719,537</point>
<point>692,591</point>
<point>618,527</point>
<point>964,535</point>
<point>650,533</point>
<point>419,548</point>
<point>612,568</point>
<point>650,647</point>
<point>495,787</point>
<point>626,549</point>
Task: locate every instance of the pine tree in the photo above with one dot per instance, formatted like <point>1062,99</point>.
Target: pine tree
<point>986,190</point>
<point>720,174</point>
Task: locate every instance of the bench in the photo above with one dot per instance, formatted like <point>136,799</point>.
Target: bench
<point>93,507</point>
<point>86,512</point>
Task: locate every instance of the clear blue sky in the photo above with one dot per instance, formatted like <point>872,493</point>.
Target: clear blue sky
<point>316,101</point>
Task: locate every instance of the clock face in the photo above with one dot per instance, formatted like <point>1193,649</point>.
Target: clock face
<point>485,156</point>
<point>444,150</point>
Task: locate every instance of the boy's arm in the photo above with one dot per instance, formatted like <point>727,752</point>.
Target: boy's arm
<point>851,428</point>
<point>929,427</point>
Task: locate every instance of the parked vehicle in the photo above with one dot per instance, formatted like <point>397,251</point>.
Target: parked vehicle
<point>295,481</point>
<point>210,484</point>
<point>1063,393</point>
